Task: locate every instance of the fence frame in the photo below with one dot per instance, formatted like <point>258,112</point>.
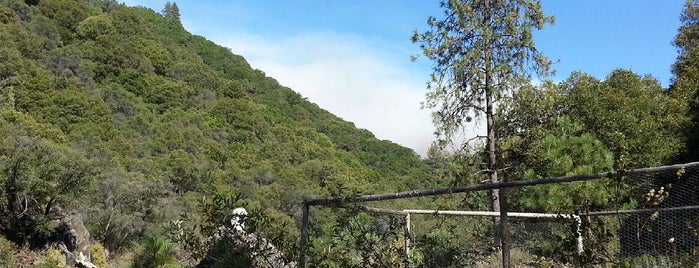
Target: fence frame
<point>407,212</point>
<point>348,200</point>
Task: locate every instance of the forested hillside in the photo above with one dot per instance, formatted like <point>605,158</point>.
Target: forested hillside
<point>117,122</point>
<point>119,114</point>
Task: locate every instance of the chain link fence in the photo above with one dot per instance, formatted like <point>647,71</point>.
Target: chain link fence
<point>637,218</point>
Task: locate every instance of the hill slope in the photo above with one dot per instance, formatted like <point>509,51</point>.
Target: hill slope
<point>142,120</point>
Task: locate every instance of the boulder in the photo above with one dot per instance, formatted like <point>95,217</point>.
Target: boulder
<point>233,245</point>
<point>73,239</point>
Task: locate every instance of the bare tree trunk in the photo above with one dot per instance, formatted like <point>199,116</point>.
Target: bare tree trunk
<point>490,161</point>
<point>498,196</point>
<point>490,142</point>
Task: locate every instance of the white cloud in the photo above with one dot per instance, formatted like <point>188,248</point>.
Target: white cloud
<point>347,76</point>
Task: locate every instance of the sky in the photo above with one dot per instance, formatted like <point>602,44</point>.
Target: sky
<point>352,58</point>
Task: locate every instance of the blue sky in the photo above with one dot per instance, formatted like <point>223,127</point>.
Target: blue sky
<point>353,57</point>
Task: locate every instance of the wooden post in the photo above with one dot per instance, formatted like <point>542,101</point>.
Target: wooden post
<point>504,230</point>
<point>407,239</point>
<point>304,235</point>
<point>578,234</point>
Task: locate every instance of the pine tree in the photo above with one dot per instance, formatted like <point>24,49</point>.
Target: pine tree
<point>171,11</point>
<point>481,50</point>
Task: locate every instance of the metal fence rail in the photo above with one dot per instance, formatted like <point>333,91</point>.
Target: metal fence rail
<point>658,219</point>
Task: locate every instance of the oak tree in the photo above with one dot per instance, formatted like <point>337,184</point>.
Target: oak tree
<point>685,84</point>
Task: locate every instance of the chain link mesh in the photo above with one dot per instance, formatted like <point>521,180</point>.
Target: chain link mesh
<point>639,218</point>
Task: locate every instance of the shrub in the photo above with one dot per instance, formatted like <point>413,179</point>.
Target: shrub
<point>7,15</point>
<point>54,259</point>
<point>156,252</point>
<point>7,253</point>
<point>99,256</point>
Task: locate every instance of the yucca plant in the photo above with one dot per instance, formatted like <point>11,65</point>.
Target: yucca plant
<point>156,253</point>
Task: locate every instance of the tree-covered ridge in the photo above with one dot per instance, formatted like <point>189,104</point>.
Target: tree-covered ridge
<point>153,136</point>
<point>150,119</point>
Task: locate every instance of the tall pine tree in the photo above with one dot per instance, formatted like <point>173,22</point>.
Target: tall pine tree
<point>482,50</point>
<point>171,11</point>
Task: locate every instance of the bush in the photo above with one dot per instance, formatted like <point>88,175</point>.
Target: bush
<point>7,253</point>
<point>98,255</point>
<point>7,15</point>
<point>156,252</point>
<point>54,259</point>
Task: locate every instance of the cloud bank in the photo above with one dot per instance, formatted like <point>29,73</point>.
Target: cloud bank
<point>347,76</point>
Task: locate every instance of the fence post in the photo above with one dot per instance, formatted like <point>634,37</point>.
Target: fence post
<point>504,229</point>
<point>304,235</point>
<point>578,234</point>
<point>407,239</point>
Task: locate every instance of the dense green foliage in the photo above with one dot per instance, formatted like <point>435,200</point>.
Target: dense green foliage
<point>686,76</point>
<point>584,125</point>
<point>119,113</point>
<point>156,135</point>
<point>7,253</point>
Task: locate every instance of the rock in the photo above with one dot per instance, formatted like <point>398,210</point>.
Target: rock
<point>73,239</point>
<point>233,244</point>
<point>77,235</point>
<point>238,220</point>
<point>82,262</point>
